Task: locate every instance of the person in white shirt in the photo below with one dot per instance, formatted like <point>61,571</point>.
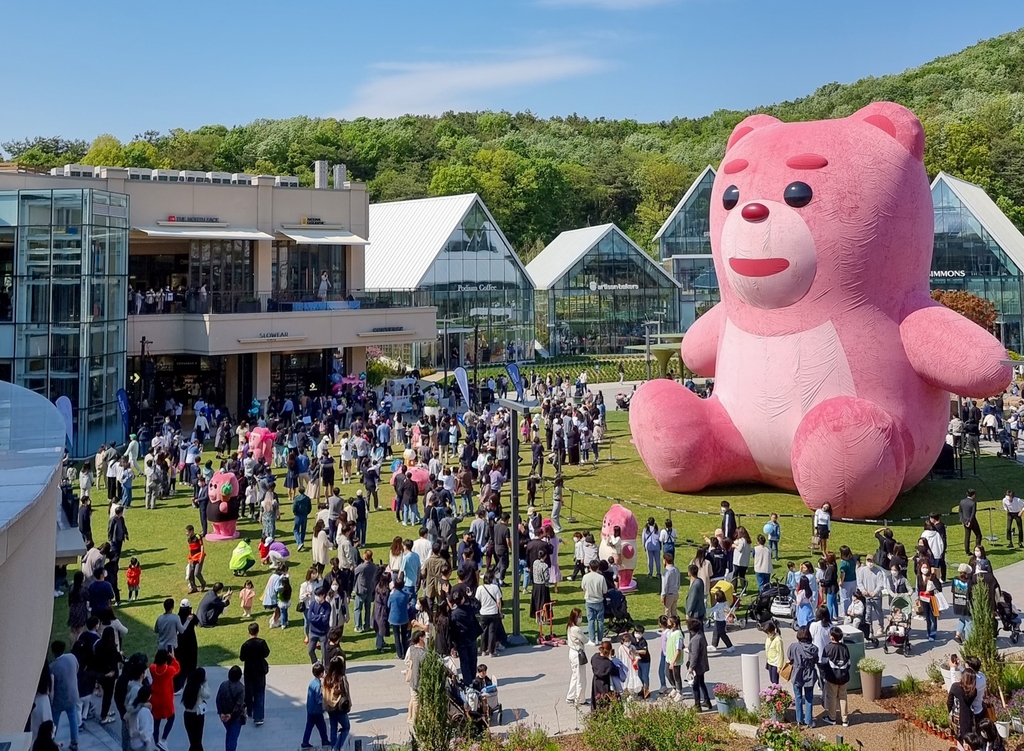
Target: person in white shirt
<point>1013,506</point>
<point>422,548</point>
<point>871,582</point>
<point>934,540</point>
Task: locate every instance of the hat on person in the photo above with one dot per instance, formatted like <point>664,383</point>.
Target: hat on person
<point>133,436</point>
<point>359,493</point>
<point>531,510</point>
<point>964,568</point>
<point>269,540</point>
<point>185,603</point>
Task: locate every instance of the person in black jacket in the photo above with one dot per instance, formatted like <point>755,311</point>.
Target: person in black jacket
<point>602,669</point>
<point>187,651</point>
<point>465,630</point>
<point>968,512</point>
<point>958,703</point>
<point>231,707</point>
<point>254,654</point>
<point>837,674</point>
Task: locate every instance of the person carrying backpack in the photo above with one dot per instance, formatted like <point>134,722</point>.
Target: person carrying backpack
<point>837,675</point>
<point>667,538</point>
<point>302,507</point>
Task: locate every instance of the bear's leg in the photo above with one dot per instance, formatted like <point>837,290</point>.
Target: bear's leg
<point>687,442</point>
<point>849,452</point>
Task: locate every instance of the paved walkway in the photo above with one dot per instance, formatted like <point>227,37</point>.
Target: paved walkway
<point>532,682</point>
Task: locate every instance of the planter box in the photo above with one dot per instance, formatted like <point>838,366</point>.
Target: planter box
<point>871,686</point>
<point>432,411</point>
<point>947,678</point>
<point>726,706</point>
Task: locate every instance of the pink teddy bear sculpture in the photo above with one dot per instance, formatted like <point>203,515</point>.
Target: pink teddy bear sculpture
<point>832,364</point>
<point>623,549</point>
<point>261,443</point>
<point>222,511</point>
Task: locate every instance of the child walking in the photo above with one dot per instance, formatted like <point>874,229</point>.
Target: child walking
<point>578,568</point>
<point>246,597</point>
<point>315,709</point>
<point>719,616</point>
<point>133,575</point>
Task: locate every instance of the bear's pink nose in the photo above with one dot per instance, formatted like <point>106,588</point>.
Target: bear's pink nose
<point>755,212</point>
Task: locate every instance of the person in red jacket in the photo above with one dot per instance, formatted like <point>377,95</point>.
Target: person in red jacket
<point>163,670</point>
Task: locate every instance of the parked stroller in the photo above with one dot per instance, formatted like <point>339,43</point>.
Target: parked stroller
<point>774,601</point>
<point>1009,617</point>
<point>897,626</point>
<point>622,402</point>
<point>616,614</point>
<point>467,704</point>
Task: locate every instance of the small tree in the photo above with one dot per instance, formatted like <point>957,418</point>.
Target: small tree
<point>981,640</point>
<point>969,305</point>
<point>434,730</point>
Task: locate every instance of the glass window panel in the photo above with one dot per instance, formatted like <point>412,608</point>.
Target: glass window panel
<point>35,207</point>
<point>8,209</point>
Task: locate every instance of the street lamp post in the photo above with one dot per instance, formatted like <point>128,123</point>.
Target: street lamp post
<point>444,382</point>
<point>517,410</point>
<point>647,342</point>
<point>476,367</point>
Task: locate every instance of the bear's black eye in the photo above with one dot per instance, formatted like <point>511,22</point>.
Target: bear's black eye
<point>731,197</point>
<point>798,194</point>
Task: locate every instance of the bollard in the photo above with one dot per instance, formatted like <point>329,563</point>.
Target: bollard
<point>751,672</point>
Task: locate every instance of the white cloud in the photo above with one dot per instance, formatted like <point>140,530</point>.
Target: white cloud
<point>432,88</point>
<point>606,4</point>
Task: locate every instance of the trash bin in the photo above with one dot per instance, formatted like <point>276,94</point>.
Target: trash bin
<point>853,638</point>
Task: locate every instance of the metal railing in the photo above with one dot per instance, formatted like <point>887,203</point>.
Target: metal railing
<point>277,301</point>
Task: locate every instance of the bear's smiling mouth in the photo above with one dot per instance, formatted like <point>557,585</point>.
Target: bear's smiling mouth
<point>758,267</point>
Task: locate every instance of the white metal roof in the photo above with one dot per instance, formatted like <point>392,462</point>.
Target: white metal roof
<point>406,237</point>
<point>988,214</point>
<point>683,200</point>
<point>562,253</point>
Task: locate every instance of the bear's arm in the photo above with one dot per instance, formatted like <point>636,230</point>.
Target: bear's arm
<point>954,354</point>
<point>699,348</point>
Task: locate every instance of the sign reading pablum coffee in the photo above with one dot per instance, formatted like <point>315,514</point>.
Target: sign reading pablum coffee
<point>476,287</point>
<point>949,274</point>
<point>595,287</point>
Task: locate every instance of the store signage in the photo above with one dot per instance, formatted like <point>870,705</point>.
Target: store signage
<point>193,219</point>
<point>476,287</point>
<point>307,220</point>
<point>595,287</point>
<point>274,335</point>
<point>381,329</point>
<point>949,274</point>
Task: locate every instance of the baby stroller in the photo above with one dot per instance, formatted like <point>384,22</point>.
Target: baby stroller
<point>732,604</point>
<point>622,402</point>
<point>616,614</point>
<point>1009,617</point>
<point>897,626</point>
<point>772,602</point>
<point>467,704</point>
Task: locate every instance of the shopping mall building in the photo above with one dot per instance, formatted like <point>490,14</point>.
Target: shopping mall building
<point>185,284</point>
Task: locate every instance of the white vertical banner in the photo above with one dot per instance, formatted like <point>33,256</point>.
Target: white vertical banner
<point>462,378</point>
<point>63,405</point>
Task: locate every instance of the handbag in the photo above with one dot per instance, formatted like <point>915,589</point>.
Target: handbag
<point>815,541</point>
<point>990,712</point>
<point>786,671</point>
<point>935,606</point>
<point>301,607</point>
<point>581,657</point>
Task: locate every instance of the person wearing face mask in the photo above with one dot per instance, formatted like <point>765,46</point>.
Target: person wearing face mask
<point>871,583</point>
<point>896,583</point>
<point>927,588</point>
<point>961,590</point>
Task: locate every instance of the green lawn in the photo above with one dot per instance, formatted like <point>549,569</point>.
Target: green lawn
<point>157,538</point>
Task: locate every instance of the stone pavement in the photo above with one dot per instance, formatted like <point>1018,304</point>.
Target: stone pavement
<point>532,682</point>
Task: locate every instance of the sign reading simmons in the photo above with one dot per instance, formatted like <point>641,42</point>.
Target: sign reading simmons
<point>595,287</point>
<point>949,274</point>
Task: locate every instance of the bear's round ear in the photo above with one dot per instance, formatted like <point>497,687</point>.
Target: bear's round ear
<point>749,125</point>
<point>898,122</point>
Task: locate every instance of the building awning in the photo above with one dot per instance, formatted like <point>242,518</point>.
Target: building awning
<point>205,233</point>
<point>324,237</point>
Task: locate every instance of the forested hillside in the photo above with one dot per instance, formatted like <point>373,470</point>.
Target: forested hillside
<point>540,176</point>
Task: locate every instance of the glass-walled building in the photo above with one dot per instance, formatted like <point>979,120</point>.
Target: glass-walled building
<point>978,249</point>
<point>684,244</point>
<point>595,290</point>
<point>450,253</point>
<point>63,258</point>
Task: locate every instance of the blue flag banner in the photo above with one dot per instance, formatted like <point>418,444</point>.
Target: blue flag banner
<point>517,380</point>
<point>122,404</point>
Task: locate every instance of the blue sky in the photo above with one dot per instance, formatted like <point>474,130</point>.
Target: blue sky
<point>79,69</point>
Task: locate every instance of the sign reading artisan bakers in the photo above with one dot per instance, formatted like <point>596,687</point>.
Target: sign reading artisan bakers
<point>595,287</point>
<point>193,219</point>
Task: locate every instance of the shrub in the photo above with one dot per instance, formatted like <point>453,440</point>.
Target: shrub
<point>778,736</point>
<point>647,727</point>
<point>911,685</point>
<point>933,713</point>
<point>870,665</point>
<point>934,670</point>
<point>981,640</point>
<point>519,738</point>
<point>434,730</point>
<point>775,699</point>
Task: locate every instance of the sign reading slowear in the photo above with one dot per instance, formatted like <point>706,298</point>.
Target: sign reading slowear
<point>274,335</point>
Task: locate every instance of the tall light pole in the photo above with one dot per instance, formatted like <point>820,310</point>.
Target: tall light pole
<point>445,321</point>
<point>647,342</point>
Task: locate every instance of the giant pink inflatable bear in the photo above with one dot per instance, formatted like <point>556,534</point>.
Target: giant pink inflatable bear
<point>261,444</point>
<point>832,364</point>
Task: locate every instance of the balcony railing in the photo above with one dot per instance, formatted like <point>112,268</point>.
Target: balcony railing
<point>277,301</point>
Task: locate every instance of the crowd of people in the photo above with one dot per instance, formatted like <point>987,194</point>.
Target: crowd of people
<point>442,587</point>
